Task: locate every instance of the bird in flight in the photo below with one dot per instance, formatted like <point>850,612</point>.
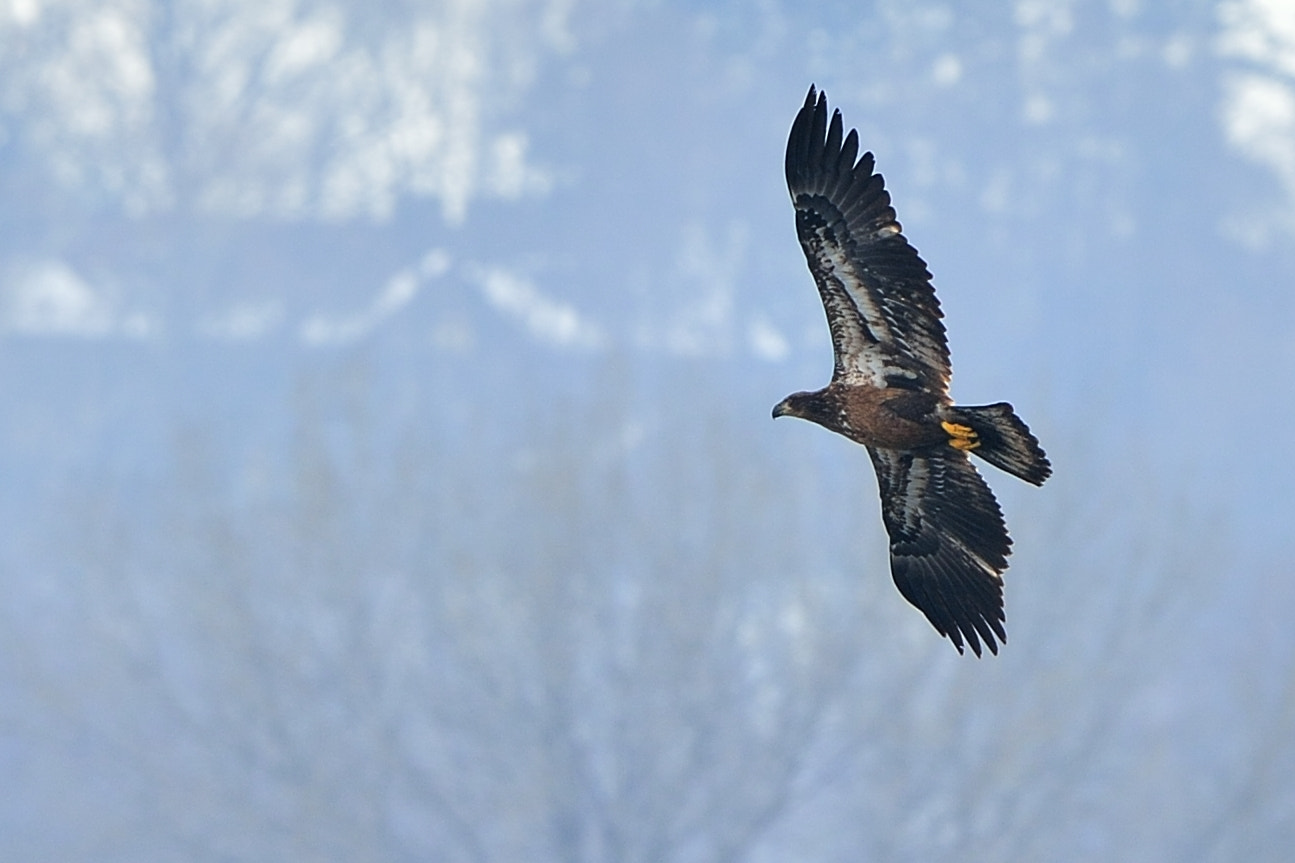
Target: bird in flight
<point>890,388</point>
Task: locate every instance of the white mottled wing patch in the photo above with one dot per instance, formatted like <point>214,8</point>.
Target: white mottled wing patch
<point>855,321</point>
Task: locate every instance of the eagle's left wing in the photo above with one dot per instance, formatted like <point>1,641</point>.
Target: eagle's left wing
<point>881,307</point>
<point>948,542</point>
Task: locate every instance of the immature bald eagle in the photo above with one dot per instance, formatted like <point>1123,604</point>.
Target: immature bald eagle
<point>890,388</point>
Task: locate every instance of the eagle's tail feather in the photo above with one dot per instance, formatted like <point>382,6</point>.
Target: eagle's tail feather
<point>1004,440</point>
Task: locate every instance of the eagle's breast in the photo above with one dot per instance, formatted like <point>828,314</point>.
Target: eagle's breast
<point>890,418</point>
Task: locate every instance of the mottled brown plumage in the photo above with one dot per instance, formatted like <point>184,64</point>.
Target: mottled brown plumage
<point>889,388</point>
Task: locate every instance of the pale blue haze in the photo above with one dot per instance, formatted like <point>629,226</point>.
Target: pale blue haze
<point>386,469</point>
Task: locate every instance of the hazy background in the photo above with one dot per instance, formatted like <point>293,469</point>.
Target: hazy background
<point>386,470</point>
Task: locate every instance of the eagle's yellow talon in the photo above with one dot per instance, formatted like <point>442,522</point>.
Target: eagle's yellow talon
<point>960,436</point>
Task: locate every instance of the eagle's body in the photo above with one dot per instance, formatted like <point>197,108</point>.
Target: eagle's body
<point>889,388</point>
<point>873,416</point>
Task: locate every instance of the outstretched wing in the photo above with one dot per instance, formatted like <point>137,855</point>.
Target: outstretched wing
<point>881,308</point>
<point>948,542</point>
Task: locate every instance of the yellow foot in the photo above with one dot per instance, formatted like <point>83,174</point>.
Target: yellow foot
<point>960,436</point>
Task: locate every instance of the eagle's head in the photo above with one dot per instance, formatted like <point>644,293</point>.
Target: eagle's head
<point>816,407</point>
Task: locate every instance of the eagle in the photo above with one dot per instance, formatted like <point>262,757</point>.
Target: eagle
<point>890,388</point>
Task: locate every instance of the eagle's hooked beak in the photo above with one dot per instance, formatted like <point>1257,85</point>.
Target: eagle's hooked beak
<point>782,409</point>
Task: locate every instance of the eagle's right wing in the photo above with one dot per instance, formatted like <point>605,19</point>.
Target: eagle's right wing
<point>948,542</point>
<point>881,307</point>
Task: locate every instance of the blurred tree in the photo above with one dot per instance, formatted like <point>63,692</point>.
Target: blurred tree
<point>622,634</point>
